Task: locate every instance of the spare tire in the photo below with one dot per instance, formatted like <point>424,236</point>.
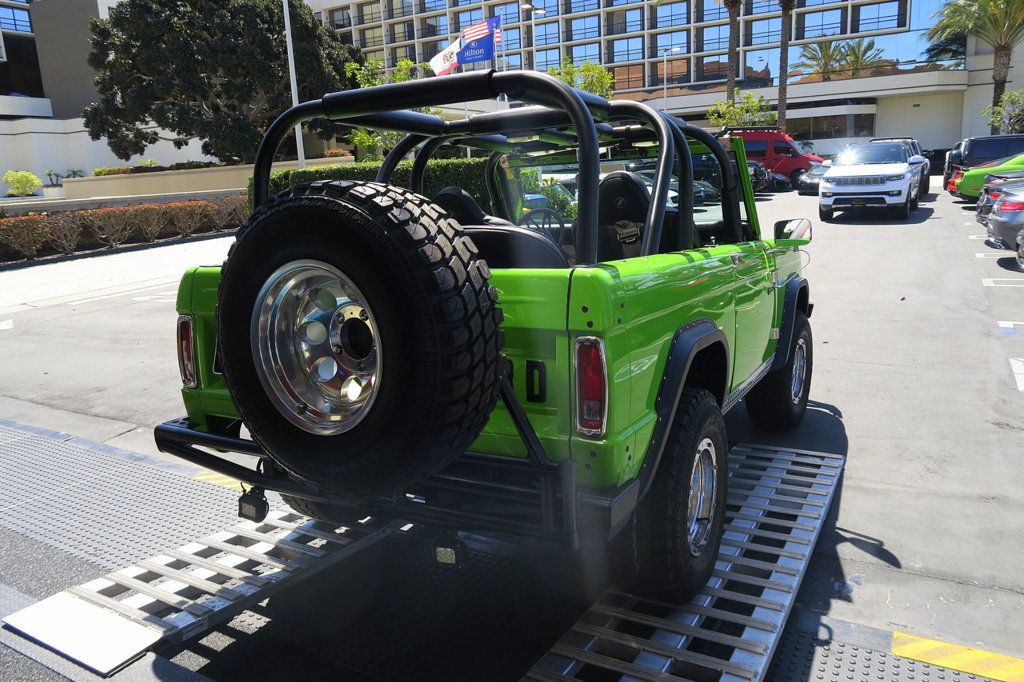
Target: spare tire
<point>359,335</point>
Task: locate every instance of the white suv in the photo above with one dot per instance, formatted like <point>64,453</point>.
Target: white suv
<point>874,175</point>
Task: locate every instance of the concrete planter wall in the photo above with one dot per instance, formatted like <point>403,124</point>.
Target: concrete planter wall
<point>172,182</point>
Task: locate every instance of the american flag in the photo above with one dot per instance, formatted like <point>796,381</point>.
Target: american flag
<point>480,30</point>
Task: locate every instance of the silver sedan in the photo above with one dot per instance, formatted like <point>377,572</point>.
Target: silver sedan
<point>1006,223</point>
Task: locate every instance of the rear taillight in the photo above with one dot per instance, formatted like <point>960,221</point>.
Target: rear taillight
<point>994,194</point>
<point>591,386</point>
<point>953,179</point>
<point>186,352</point>
<point>1005,206</point>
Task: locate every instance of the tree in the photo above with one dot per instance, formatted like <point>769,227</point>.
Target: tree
<point>209,69</point>
<point>748,110</point>
<point>1000,23</point>
<point>823,58</point>
<point>733,7</point>
<point>787,7</point>
<point>370,143</point>
<point>1008,115</point>
<point>861,57</point>
<point>587,76</point>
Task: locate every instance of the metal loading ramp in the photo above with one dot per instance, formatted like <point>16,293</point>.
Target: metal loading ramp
<point>777,503</point>
<point>181,593</point>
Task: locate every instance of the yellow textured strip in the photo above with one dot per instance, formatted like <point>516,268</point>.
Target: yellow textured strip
<point>214,478</point>
<point>956,657</point>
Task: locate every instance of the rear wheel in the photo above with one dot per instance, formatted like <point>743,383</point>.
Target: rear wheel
<point>926,183</point>
<point>779,401</point>
<point>669,549</point>
<point>903,210</point>
<point>358,335</point>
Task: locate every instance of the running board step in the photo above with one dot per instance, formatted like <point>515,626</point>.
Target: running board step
<point>777,504</point>
<point>181,593</point>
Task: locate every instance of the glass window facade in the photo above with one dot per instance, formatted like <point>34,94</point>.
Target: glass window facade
<point>665,42</point>
<point>512,61</point>
<point>434,26</point>
<point>712,68</point>
<point>821,24</point>
<point>511,39</point>
<point>546,59</point>
<point>468,17</point>
<point>670,14</point>
<point>877,17</point>
<point>712,10</point>
<point>14,19</point>
<point>546,34</point>
<point>764,31</point>
<point>628,21</point>
<point>369,13</point>
<point>762,6</point>
<point>626,49</point>
<point>714,38</point>
<point>400,8</point>
<point>433,5</point>
<point>628,77</point>
<point>585,27</point>
<point>402,31</point>
<point>587,52</point>
<point>340,18</point>
<point>509,13</point>
<point>549,7</point>
<point>678,72</point>
<point>371,37</point>
<point>584,5</point>
<point>831,127</point>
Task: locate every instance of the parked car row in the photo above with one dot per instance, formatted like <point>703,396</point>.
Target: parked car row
<point>967,183</point>
<point>1001,210</point>
<point>976,151</point>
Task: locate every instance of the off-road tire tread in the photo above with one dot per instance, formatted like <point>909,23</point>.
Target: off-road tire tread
<point>769,405</point>
<point>462,309</point>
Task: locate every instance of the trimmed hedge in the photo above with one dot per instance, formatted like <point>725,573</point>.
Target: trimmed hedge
<point>127,170</point>
<point>465,173</point>
<point>70,231</point>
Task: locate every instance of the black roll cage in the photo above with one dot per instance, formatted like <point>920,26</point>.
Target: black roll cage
<point>565,117</point>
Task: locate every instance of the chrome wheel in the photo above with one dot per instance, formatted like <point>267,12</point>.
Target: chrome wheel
<point>701,504</point>
<point>316,347</point>
<point>796,387</point>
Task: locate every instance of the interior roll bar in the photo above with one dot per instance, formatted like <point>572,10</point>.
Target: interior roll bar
<point>383,106</point>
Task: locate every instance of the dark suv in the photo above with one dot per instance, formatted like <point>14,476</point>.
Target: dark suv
<point>978,150</point>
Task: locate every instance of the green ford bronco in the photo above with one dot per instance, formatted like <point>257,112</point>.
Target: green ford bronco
<point>556,366</point>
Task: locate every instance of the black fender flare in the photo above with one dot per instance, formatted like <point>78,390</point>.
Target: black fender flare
<point>689,340</point>
<point>794,286</point>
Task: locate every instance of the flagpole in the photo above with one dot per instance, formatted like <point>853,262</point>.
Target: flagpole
<point>295,87</point>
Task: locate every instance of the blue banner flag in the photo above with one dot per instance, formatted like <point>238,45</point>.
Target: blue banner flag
<point>478,41</point>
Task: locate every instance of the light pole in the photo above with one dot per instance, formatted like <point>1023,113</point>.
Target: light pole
<point>665,51</point>
<point>533,28</point>
<point>295,86</point>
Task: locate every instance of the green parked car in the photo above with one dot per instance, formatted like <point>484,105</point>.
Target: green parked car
<point>967,184</point>
<point>512,372</point>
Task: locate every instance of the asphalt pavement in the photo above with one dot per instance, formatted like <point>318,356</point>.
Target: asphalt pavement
<point>916,326</point>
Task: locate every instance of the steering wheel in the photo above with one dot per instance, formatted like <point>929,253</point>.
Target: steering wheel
<point>546,221</point>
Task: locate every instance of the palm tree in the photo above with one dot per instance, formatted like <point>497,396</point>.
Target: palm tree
<point>861,56</point>
<point>1000,23</point>
<point>733,7</point>
<point>823,58</point>
<point>787,7</point>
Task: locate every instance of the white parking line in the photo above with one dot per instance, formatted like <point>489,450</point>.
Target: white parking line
<point>1006,324</point>
<point>120,292</point>
<point>977,236</point>
<point>1017,367</point>
<point>997,282</point>
<point>991,255</point>
<point>6,324</point>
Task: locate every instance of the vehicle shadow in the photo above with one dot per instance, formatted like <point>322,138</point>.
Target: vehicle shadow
<point>876,217</point>
<point>1009,263</point>
<point>826,580</point>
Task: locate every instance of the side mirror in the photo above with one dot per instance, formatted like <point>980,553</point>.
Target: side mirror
<point>795,228</point>
<point>917,159</point>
